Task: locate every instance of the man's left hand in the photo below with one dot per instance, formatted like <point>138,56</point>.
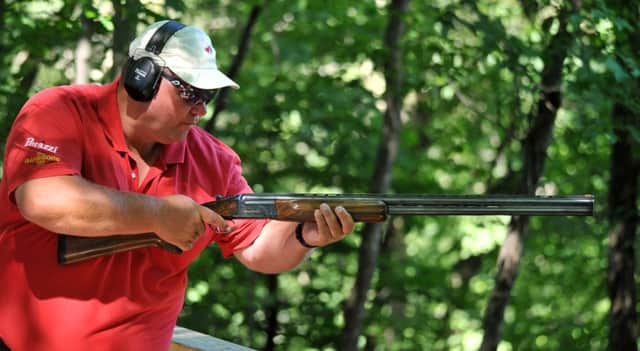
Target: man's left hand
<point>329,227</point>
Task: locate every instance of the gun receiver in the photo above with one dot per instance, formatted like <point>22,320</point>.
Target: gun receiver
<point>362,207</point>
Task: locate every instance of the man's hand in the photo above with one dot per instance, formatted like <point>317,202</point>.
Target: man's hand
<point>330,226</point>
<point>181,221</point>
<point>75,206</point>
<point>277,249</point>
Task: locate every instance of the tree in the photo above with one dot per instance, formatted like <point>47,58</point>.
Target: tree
<point>534,154</point>
<point>381,180</point>
<point>623,186</point>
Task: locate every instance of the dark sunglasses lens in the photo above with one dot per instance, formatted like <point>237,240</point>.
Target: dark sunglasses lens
<point>203,96</point>
<point>190,94</point>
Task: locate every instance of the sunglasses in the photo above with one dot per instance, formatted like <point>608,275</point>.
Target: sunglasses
<point>190,95</point>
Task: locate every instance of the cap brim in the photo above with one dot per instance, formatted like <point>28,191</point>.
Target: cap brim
<point>206,79</point>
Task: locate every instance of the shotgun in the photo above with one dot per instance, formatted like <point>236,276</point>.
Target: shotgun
<point>362,207</point>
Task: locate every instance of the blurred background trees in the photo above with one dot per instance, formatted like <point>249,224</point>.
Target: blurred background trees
<point>440,97</point>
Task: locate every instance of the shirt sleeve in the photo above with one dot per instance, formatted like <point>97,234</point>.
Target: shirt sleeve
<point>44,141</point>
<point>244,232</point>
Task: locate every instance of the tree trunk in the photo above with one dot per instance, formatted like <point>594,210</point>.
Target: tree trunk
<point>534,154</point>
<point>125,20</point>
<point>83,52</point>
<point>387,152</point>
<point>623,220</point>
<point>243,48</point>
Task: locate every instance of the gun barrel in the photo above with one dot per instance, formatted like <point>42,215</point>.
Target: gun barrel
<point>266,205</point>
<point>495,205</point>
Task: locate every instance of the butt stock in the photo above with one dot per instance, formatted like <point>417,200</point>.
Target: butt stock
<point>362,207</point>
<point>79,248</point>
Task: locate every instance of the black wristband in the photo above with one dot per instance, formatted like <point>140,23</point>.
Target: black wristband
<point>301,238</point>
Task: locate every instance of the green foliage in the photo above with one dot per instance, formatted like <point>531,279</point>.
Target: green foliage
<point>308,118</point>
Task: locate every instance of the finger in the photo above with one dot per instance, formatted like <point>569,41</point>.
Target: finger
<point>210,217</point>
<point>323,228</point>
<point>335,230</point>
<point>346,220</point>
<point>200,229</point>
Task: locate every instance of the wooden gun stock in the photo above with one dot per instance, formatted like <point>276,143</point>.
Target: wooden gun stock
<point>75,248</point>
<point>362,207</point>
<point>79,248</point>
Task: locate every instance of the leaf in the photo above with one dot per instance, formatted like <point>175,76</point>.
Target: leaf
<point>619,74</point>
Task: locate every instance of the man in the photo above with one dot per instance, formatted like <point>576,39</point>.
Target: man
<point>127,158</point>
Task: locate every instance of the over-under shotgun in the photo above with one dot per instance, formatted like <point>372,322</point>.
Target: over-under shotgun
<point>362,207</point>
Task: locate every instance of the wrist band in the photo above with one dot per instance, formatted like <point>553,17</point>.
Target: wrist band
<point>301,238</point>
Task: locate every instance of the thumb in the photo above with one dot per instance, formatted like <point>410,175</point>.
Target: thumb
<point>210,217</point>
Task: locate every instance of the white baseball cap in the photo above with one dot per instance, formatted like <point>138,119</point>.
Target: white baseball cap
<point>187,53</point>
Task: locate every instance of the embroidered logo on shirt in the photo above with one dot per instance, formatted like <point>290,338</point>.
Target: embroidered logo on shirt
<point>40,159</point>
<point>31,142</point>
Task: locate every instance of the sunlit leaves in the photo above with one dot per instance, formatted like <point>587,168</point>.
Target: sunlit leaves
<point>308,118</point>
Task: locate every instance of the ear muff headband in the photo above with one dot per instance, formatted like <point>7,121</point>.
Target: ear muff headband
<point>142,76</point>
<point>162,35</point>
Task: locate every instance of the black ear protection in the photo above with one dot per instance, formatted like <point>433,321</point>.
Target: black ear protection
<point>142,76</point>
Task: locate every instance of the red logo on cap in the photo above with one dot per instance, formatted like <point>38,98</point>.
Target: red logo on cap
<point>209,50</point>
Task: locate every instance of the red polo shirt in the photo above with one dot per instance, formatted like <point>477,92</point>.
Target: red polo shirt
<point>125,301</point>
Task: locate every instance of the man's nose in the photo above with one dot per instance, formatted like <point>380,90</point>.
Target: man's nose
<point>199,109</point>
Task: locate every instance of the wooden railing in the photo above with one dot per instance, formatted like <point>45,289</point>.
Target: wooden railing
<point>190,340</point>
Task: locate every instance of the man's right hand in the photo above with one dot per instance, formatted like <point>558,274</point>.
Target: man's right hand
<point>75,206</point>
<point>181,221</point>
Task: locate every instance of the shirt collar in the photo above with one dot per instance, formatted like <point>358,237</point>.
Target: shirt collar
<point>107,106</point>
<point>174,153</point>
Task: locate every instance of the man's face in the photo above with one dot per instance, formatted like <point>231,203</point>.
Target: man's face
<point>176,108</point>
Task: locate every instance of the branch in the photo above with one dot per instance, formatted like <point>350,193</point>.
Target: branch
<point>243,48</point>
